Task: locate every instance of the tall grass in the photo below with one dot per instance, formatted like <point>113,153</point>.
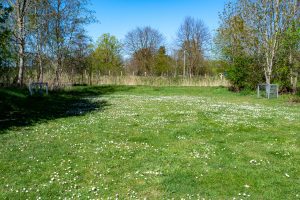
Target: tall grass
<point>204,81</point>
<point>160,81</point>
<point>68,80</point>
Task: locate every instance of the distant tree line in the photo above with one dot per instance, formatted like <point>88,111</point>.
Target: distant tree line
<point>148,55</point>
<point>257,41</point>
<point>45,37</point>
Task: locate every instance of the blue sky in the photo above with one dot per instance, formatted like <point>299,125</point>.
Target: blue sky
<point>118,17</point>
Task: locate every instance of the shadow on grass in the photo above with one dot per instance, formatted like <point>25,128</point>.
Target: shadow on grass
<point>18,109</point>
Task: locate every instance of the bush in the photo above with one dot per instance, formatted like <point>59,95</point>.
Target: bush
<point>294,99</point>
<point>238,73</point>
<point>244,73</point>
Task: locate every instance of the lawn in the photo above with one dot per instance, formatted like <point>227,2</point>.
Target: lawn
<point>148,142</point>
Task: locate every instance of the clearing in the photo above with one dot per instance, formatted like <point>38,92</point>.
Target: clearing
<point>148,142</point>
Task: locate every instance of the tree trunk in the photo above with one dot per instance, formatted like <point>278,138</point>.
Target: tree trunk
<point>294,80</point>
<point>58,71</point>
<point>56,81</point>
<point>294,75</point>
<point>41,70</point>
<point>21,48</point>
<point>21,65</point>
<point>268,77</point>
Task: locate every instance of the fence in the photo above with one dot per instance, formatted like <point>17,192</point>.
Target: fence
<point>267,91</point>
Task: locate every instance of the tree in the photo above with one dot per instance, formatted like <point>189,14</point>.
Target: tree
<point>107,55</point>
<point>238,47</point>
<point>255,31</point>
<point>78,60</point>
<point>67,19</point>
<point>143,61</point>
<point>193,38</point>
<point>142,44</point>
<point>290,53</point>
<point>20,14</point>
<point>270,18</point>
<point>162,62</point>
<point>38,33</point>
<point>6,52</point>
<point>5,34</point>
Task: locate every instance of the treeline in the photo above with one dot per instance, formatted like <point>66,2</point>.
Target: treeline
<point>48,37</point>
<point>257,42</point>
<point>260,41</point>
<point>42,35</point>
<point>147,53</point>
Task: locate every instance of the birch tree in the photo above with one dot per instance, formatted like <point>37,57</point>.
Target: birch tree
<point>20,14</point>
<point>270,19</point>
<point>237,44</point>
<point>67,19</point>
<point>265,24</point>
<point>39,18</point>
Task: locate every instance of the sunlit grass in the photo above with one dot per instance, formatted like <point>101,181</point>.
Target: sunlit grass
<point>158,143</point>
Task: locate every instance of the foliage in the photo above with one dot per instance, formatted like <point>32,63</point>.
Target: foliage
<point>163,63</point>
<point>5,36</point>
<point>44,36</point>
<point>236,50</point>
<point>217,67</point>
<point>78,59</point>
<point>258,39</point>
<point>143,61</point>
<point>107,55</point>
<point>237,73</point>
<point>288,59</point>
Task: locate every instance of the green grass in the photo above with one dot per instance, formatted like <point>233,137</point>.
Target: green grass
<point>148,142</point>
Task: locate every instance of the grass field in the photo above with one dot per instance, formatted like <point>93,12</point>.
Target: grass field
<point>148,142</point>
